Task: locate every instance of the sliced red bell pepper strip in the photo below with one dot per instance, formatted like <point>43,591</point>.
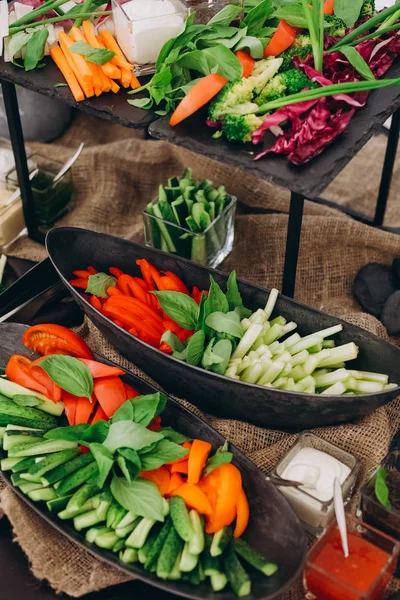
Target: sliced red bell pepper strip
<point>95,302</point>
<point>79,283</point>
<point>164,347</point>
<point>110,393</point>
<point>81,274</point>
<point>155,425</point>
<point>99,369</point>
<point>92,270</point>
<point>137,307</point>
<point>70,403</point>
<point>54,391</point>
<point>147,272</point>
<point>116,272</point>
<point>184,334</point>
<point>18,370</point>
<point>173,283</point>
<point>196,294</point>
<point>48,338</point>
<point>130,392</point>
<point>99,415</point>
<point>113,291</point>
<point>83,411</point>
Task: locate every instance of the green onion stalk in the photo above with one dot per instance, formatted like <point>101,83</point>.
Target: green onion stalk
<point>375,34</point>
<point>83,15</point>
<point>38,12</point>
<point>372,22</point>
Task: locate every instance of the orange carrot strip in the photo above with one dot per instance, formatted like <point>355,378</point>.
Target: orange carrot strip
<point>86,87</point>
<point>242,516</point>
<point>105,81</point>
<point>108,69</point>
<point>126,77</point>
<point>98,91</point>
<point>246,61</point>
<point>135,83</point>
<point>110,43</point>
<point>114,87</point>
<point>78,36</point>
<point>80,62</point>
<point>329,7</point>
<point>197,460</point>
<point>194,498</point>
<point>68,74</point>
<point>201,93</point>
<point>160,477</point>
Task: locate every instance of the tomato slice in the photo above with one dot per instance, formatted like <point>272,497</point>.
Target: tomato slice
<point>99,369</point>
<point>110,393</point>
<point>55,339</point>
<point>18,370</point>
<point>54,390</point>
<point>99,415</point>
<point>70,403</point>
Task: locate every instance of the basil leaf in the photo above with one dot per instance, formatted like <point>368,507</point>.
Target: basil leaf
<point>98,56</point>
<point>226,15</point>
<point>174,436</point>
<point>217,59</point>
<point>132,461</point>
<point>195,348</point>
<point>292,13</point>
<point>146,408</point>
<point>234,297</point>
<point>225,323</point>
<point>349,12</point>
<point>26,400</point>
<point>178,349</point>
<point>209,358</point>
<point>252,44</point>
<point>73,433</point>
<point>98,284</point>
<point>145,103</point>
<point>124,468</point>
<point>70,374</point>
<point>127,434</point>
<point>219,357</point>
<point>97,432</point>
<point>35,49</point>
<point>257,16</point>
<point>16,42</point>
<point>180,307</point>
<point>164,452</point>
<point>124,412</point>
<point>221,457</point>
<point>381,489</point>
<point>141,497</point>
<point>357,61</point>
<point>201,319</point>
<point>215,302</point>
<point>105,461</point>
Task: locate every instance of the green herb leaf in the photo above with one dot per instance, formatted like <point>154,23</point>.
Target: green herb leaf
<point>357,61</point>
<point>164,452</point>
<point>209,357</point>
<point>132,460</point>
<point>16,42</point>
<point>141,497</point>
<point>98,284</point>
<point>252,44</point>
<point>226,15</point>
<point>70,374</point>
<point>35,49</point>
<point>73,433</point>
<point>225,323</point>
<point>145,103</point>
<point>105,461</point>
<point>124,468</point>
<point>26,400</point>
<point>178,349</point>
<point>124,412</point>
<point>292,13</point>
<point>57,85</point>
<point>195,348</point>
<point>349,12</point>
<point>146,408</point>
<point>217,59</point>
<point>222,349</point>
<point>234,297</point>
<point>257,16</point>
<point>381,489</point>
<point>127,434</point>
<point>180,307</point>
<point>221,457</point>
<point>98,56</point>
<point>97,432</point>
<point>174,436</point>
<point>215,302</point>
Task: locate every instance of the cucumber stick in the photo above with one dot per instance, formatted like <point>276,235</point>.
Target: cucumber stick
<point>84,493</point>
<point>87,519</point>
<point>188,561</point>
<point>129,555</point>
<point>218,581</point>
<point>107,540</point>
<point>44,447</point>
<point>93,532</point>
<point>10,389</point>
<point>180,518</point>
<point>236,574</point>
<point>15,438</point>
<point>155,550</point>
<point>44,494</point>
<point>11,413</point>
<point>175,574</point>
<point>8,464</point>
<point>123,532</point>
<point>77,478</point>
<point>196,543</point>
<point>51,461</point>
<point>71,514</point>
<point>254,558</point>
<point>220,541</point>
<point>171,549</point>
<point>147,546</point>
<point>25,464</point>
<point>67,468</point>
<point>119,545</point>
<point>212,564</point>
<point>115,514</point>
<point>128,519</point>
<point>138,536</point>
<point>29,486</point>
<point>58,504</point>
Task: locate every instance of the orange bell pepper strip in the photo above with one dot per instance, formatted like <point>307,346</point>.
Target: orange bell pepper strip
<point>110,393</point>
<point>194,498</point>
<point>160,477</point>
<point>228,493</point>
<point>99,415</point>
<point>281,40</point>
<point>180,467</point>
<point>198,96</point>
<point>48,338</point>
<point>186,445</point>
<point>70,403</point>
<point>130,392</point>
<point>99,369</point>
<point>18,370</point>
<point>175,481</point>
<point>246,61</point>
<point>329,7</point>
<point>242,514</point>
<point>197,460</point>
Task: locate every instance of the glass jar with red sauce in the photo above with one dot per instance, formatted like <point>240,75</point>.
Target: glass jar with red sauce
<point>363,575</point>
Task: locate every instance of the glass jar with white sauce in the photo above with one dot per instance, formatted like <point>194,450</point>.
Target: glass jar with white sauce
<point>316,463</point>
<point>142,27</point>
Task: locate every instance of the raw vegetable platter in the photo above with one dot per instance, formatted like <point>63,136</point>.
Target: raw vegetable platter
<point>216,393</point>
<point>273,529</point>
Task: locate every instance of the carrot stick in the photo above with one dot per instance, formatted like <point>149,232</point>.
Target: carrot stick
<point>76,34</point>
<point>114,87</point>
<point>197,460</point>
<point>98,91</point>
<point>110,43</point>
<point>108,69</point>
<point>201,93</point>
<point>105,81</point>
<point>135,83</point>
<point>86,87</point>
<point>126,77</point>
<point>328,7</point>
<point>61,62</point>
<point>87,75</point>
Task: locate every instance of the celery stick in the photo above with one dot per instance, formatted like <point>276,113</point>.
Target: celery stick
<point>331,378</point>
<point>291,340</point>
<point>363,387</point>
<point>289,327</point>
<point>272,373</point>
<point>306,383</point>
<point>245,323</point>
<point>298,373</point>
<point>328,344</point>
<point>340,354</point>
<point>313,361</point>
<point>280,349</point>
<point>337,389</point>
<point>252,374</point>
<point>290,385</point>
<point>280,383</point>
<point>390,386</point>
<point>367,376</point>
<point>273,334</point>
<point>321,372</point>
<point>278,320</point>
<point>315,349</point>
<point>285,357</point>
<point>231,372</point>
<point>274,346</point>
<point>305,343</point>
<point>329,331</point>
<point>247,340</point>
<point>258,316</point>
<point>287,369</point>
<point>357,375</point>
<point>264,350</point>
<point>253,355</point>
<point>272,298</point>
<point>349,394</point>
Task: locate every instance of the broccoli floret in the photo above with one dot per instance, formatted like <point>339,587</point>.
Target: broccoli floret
<point>367,9</point>
<point>262,72</point>
<point>301,41</point>
<point>240,128</point>
<point>337,26</point>
<point>288,82</point>
<point>289,54</point>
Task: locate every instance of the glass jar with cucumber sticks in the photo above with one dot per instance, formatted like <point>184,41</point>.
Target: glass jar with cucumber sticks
<point>191,219</point>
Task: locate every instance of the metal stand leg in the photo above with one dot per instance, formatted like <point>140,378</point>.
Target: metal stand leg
<point>292,244</point>
<point>387,172</point>
<point>18,146</point>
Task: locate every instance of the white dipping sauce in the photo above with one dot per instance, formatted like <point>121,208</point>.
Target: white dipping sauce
<point>152,23</point>
<point>317,471</point>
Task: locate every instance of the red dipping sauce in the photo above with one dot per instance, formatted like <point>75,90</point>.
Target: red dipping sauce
<point>363,575</point>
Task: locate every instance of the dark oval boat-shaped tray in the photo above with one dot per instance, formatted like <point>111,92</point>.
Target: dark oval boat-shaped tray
<point>274,528</point>
<point>72,248</point>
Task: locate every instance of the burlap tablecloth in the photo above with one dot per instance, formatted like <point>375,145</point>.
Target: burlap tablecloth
<point>116,176</point>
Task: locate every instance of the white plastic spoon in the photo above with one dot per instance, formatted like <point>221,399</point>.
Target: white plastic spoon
<point>340,516</point>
